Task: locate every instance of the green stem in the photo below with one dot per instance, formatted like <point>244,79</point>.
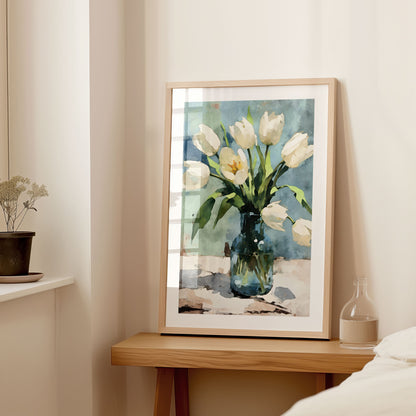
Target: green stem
<point>225,134</point>
<point>251,160</point>
<point>278,174</point>
<point>259,276</point>
<point>264,187</point>
<point>227,181</point>
<point>267,151</point>
<point>214,175</point>
<point>291,219</point>
<point>278,167</point>
<point>251,171</point>
<point>262,269</point>
<point>262,162</point>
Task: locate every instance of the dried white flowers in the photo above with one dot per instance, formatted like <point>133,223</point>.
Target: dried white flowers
<point>10,193</point>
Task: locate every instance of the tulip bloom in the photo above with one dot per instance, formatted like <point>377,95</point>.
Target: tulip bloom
<point>274,215</point>
<point>234,166</point>
<point>296,150</point>
<point>206,140</point>
<point>271,127</point>
<point>302,232</point>
<point>243,134</point>
<point>196,176</point>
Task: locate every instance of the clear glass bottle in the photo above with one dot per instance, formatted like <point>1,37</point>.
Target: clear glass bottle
<point>358,319</point>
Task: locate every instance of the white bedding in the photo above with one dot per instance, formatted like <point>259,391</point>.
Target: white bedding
<point>385,387</point>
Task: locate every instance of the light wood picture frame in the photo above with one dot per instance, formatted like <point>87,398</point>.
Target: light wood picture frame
<point>248,165</point>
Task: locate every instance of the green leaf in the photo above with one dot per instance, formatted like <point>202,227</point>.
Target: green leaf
<point>235,200</point>
<point>214,165</point>
<point>249,117</point>
<point>261,156</point>
<point>217,193</point>
<point>254,161</point>
<point>307,206</point>
<point>204,213</point>
<point>247,192</point>
<point>273,190</point>
<point>223,209</point>
<point>300,197</point>
<point>225,134</point>
<point>230,200</point>
<point>268,173</point>
<point>268,165</point>
<point>226,204</point>
<point>258,178</point>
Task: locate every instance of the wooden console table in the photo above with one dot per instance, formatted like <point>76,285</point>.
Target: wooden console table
<point>173,355</point>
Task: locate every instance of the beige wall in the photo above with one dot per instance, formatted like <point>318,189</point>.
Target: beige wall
<point>3,93</point>
<point>50,143</point>
<point>67,131</point>
<point>368,46</point>
<point>107,148</point>
<point>80,69</point>
<point>140,281</point>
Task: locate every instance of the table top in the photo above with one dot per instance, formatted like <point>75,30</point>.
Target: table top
<point>238,353</point>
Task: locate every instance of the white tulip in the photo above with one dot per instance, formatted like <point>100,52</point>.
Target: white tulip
<point>274,215</point>
<point>196,176</point>
<point>206,140</point>
<point>271,127</point>
<point>243,133</point>
<point>302,232</point>
<point>296,150</point>
<point>234,166</point>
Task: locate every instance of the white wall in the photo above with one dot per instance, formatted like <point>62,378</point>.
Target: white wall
<point>28,378</point>
<point>369,46</point>
<point>67,131</point>
<point>57,346</point>
<point>50,143</point>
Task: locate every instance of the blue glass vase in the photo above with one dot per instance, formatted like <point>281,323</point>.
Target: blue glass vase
<point>251,258</point>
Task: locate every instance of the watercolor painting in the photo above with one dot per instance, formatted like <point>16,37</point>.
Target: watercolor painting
<point>246,206</point>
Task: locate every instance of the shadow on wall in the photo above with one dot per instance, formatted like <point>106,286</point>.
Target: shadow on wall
<point>350,245</point>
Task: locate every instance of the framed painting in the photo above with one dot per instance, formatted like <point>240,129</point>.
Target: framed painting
<point>248,208</point>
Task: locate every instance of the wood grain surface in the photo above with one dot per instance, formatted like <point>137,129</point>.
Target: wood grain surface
<point>294,355</point>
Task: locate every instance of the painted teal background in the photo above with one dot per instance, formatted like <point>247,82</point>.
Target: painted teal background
<point>299,117</point>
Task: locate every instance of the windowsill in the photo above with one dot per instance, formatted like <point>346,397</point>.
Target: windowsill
<point>9,291</point>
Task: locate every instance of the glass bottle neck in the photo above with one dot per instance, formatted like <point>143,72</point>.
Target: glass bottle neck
<point>360,287</point>
<point>250,222</point>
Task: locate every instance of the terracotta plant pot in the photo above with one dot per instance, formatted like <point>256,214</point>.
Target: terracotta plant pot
<point>15,250</point>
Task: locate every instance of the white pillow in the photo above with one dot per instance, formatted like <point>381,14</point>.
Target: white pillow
<point>385,387</point>
<point>391,394</point>
<point>400,345</point>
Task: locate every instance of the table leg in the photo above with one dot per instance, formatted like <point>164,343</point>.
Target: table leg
<point>163,394</point>
<point>329,380</point>
<point>323,381</point>
<point>181,392</point>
